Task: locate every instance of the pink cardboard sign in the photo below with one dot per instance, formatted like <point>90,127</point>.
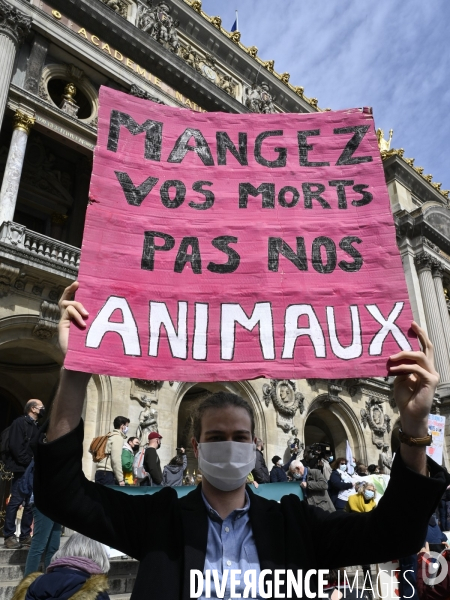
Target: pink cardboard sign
<point>233,246</point>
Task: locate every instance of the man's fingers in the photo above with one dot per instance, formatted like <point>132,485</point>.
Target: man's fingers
<point>417,357</point>
<point>75,316</point>
<point>424,374</point>
<point>76,305</point>
<point>69,292</point>
<point>425,341</point>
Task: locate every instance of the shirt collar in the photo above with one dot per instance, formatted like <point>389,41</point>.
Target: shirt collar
<point>237,513</point>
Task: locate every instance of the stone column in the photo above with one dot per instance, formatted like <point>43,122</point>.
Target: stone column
<point>14,164</point>
<point>14,27</point>
<point>424,264</point>
<point>439,288</point>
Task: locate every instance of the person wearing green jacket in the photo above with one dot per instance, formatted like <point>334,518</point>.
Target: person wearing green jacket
<point>130,447</point>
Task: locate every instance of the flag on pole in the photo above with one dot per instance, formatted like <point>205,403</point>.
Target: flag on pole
<point>235,26</point>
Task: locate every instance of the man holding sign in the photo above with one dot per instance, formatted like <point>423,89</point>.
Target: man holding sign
<point>222,532</point>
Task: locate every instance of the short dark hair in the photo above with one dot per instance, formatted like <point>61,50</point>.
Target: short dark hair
<point>220,400</point>
<point>176,461</point>
<point>131,439</point>
<point>29,406</point>
<point>335,464</point>
<point>119,421</point>
<point>372,468</point>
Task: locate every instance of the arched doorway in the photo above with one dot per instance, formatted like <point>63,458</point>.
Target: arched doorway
<point>27,371</point>
<point>333,423</point>
<point>190,395</point>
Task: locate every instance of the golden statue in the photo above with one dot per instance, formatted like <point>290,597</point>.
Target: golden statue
<point>285,77</point>
<point>384,145</point>
<point>217,22</point>
<point>69,92</point>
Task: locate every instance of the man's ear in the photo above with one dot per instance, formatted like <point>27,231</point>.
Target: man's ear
<point>255,440</point>
<point>195,446</point>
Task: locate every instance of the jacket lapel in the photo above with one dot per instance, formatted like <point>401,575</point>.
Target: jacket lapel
<point>267,524</point>
<point>195,527</point>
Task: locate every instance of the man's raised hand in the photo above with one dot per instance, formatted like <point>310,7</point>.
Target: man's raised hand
<point>71,311</point>
<point>415,384</point>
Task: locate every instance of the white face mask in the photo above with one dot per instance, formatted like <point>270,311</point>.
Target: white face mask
<point>279,463</point>
<point>297,475</point>
<point>343,467</point>
<point>226,464</point>
<point>125,429</point>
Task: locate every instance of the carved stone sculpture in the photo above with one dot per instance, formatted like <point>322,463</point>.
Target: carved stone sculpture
<point>13,23</point>
<point>190,56</point>
<point>374,416</point>
<point>259,99</point>
<point>148,419</point>
<point>118,6</point>
<point>158,22</point>
<point>47,325</point>
<point>8,276</point>
<point>227,85</point>
<point>286,401</point>
<point>140,93</point>
<point>386,459</point>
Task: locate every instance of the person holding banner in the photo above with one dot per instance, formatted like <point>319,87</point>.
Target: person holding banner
<point>192,534</point>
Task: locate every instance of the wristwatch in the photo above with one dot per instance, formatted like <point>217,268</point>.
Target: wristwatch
<point>411,441</point>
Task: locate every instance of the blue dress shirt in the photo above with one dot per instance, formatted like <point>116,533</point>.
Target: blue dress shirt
<point>230,546</point>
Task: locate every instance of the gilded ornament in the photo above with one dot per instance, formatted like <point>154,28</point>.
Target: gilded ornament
<point>197,6</point>
<point>69,92</point>
<point>419,170</point>
<point>217,22</point>
<point>384,145</point>
<point>428,178</point>
<point>314,102</point>
<point>269,65</point>
<point>437,186</point>
<point>235,37</point>
<point>409,161</point>
<point>23,121</point>
<point>299,90</point>
<point>252,51</point>
<point>445,192</point>
<point>285,77</point>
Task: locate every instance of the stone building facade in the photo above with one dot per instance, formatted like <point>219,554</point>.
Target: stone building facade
<point>55,56</point>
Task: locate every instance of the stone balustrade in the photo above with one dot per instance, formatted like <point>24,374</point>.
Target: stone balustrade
<point>30,247</point>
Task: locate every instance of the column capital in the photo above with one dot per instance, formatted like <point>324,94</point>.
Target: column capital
<point>423,261</point>
<point>438,269</point>
<point>13,23</point>
<point>23,121</point>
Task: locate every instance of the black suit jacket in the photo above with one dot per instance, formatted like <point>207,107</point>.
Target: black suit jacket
<point>169,535</point>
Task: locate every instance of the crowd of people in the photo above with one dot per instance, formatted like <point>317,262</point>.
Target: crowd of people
<point>82,564</point>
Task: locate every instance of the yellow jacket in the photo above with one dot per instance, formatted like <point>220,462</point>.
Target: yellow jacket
<point>357,503</point>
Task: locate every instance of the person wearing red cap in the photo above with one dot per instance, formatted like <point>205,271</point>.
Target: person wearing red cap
<point>151,459</point>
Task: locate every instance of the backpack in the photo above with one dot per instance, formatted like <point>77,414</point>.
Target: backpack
<point>26,481</point>
<point>4,444</point>
<point>98,447</point>
<point>138,465</point>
